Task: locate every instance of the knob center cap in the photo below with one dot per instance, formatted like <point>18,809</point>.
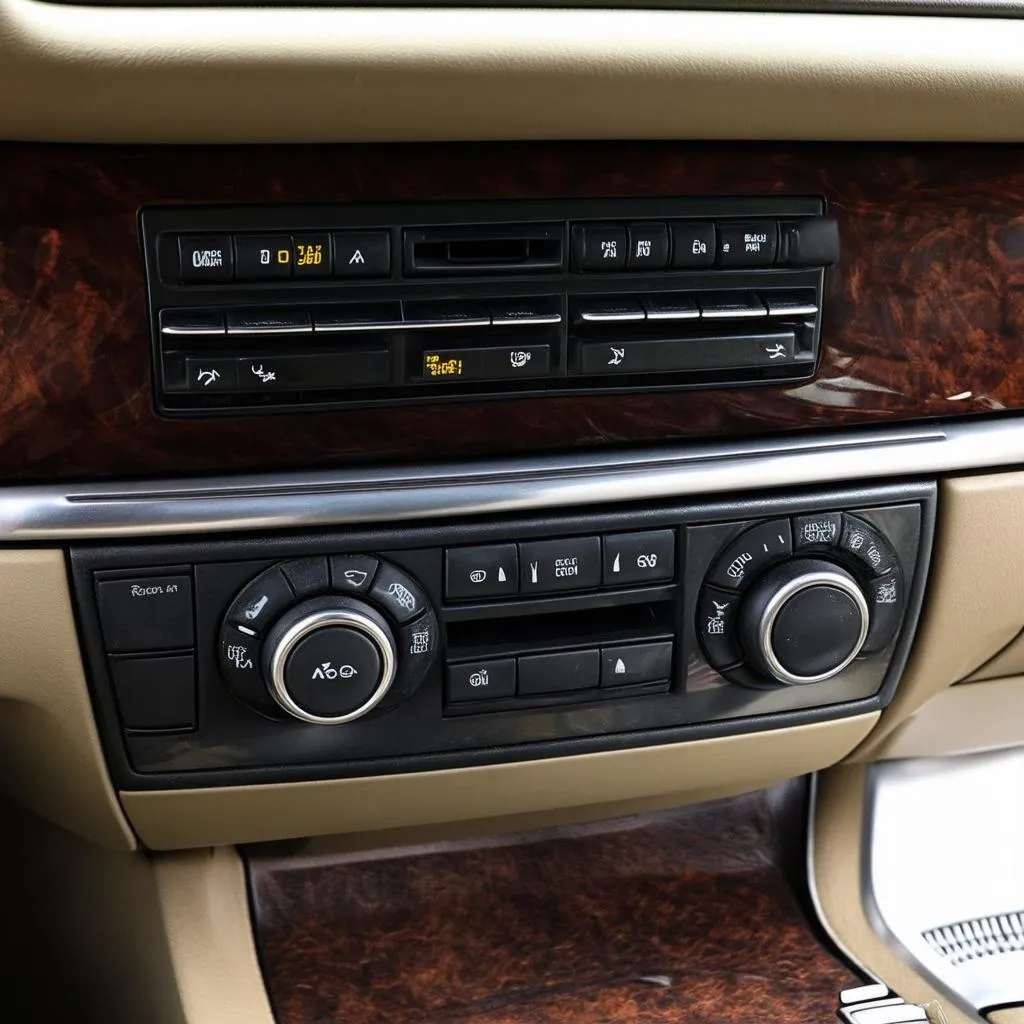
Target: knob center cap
<point>816,630</point>
<point>333,671</point>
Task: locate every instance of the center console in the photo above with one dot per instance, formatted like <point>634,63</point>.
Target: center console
<point>368,652</point>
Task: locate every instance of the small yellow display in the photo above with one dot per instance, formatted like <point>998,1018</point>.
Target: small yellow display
<point>284,257</point>
<point>435,366</point>
<point>309,255</point>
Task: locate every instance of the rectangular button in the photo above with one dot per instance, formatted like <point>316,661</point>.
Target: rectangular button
<point>546,566</point>
<point>146,613</point>
<point>693,244</point>
<point>205,259</point>
<point>496,362</point>
<point>559,673</point>
<point>482,680</point>
<point>648,247</point>
<point>423,315</point>
<point>156,694</point>
<point>790,305</point>
<point>747,243</point>
<point>614,311</point>
<point>191,322</point>
<point>647,557</point>
<point>311,255</point>
<point>315,372</point>
<point>633,664</point>
<point>670,307</point>
<point>263,257</point>
<point>721,352</point>
<point>269,321</point>
<point>511,312</point>
<point>732,306</point>
<point>600,247</point>
<point>358,316</point>
<point>212,374</point>
<point>362,254</point>
<point>489,571</point>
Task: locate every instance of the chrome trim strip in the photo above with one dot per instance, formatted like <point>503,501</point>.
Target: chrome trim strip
<point>377,325</point>
<point>433,325</point>
<point>515,321</point>
<point>619,316</point>
<point>748,313</point>
<point>193,330</point>
<point>674,314</point>
<point>51,512</point>
<point>793,309</point>
<point>252,331</point>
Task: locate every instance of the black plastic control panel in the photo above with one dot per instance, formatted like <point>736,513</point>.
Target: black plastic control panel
<point>281,307</point>
<point>216,662</point>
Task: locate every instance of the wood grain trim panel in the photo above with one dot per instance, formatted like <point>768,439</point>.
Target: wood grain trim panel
<point>686,915</point>
<point>924,316</point>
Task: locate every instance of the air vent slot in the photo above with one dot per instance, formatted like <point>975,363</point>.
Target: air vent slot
<point>486,249</point>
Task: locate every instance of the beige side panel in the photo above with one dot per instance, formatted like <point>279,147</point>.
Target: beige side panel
<point>50,757</point>
<point>975,602</point>
<point>251,74</point>
<point>966,719</point>
<point>836,866</point>
<point>609,784</point>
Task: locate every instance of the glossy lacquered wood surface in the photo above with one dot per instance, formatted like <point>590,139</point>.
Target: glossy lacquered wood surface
<point>684,917</point>
<point>924,315</point>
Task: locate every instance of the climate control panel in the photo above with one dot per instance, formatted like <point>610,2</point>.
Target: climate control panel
<point>362,652</point>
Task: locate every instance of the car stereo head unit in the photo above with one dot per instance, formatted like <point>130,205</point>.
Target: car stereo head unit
<point>262,308</point>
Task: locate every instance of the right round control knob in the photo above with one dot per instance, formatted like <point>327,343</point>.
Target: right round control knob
<point>804,622</point>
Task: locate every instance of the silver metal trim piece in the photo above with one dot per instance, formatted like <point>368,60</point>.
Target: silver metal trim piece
<point>379,325</point>
<point>514,321</point>
<point>961,819</point>
<point>430,325</point>
<point>253,331</point>
<point>747,313</point>
<point>673,314</point>
<point>808,581</point>
<point>219,331</point>
<point>792,309</point>
<point>349,619</point>
<point>151,508</point>
<point>864,994</point>
<point>612,316</point>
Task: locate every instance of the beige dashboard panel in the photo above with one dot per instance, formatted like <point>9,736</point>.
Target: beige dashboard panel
<point>257,74</point>
<point>608,783</point>
<point>974,605</point>
<point>50,756</point>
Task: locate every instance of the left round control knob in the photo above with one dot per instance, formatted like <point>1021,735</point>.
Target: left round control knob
<point>330,660</point>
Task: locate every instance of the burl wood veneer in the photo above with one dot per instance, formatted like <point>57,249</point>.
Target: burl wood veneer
<point>684,917</point>
<point>924,315</point>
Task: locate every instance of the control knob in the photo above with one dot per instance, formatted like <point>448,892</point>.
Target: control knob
<point>804,621</point>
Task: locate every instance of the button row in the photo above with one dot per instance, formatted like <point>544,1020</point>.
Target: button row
<point>280,373</point>
<point>361,316</point>
<point>566,672</point>
<point>553,566</point>
<point>213,259</point>
<point>670,307</point>
<point>697,245</point>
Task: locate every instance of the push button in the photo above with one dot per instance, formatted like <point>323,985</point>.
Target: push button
<point>481,572</point>
<point>399,594</point>
<point>717,627</point>
<point>636,663</point>
<point>261,601</point>
<point>212,374</point>
<point>205,259</point>
<point>312,255</point>
<point>362,254</point>
<point>146,613</point>
<point>553,565</point>
<point>559,673</point>
<point>817,531</point>
<point>648,247</point>
<point>693,244</point>
<point>353,574</point>
<point>482,680</point>
<point>156,694</point>
<point>751,553</point>
<point>307,576</point>
<point>647,557</point>
<point>865,544</point>
<point>263,257</point>
<point>748,244</point>
<point>601,248</point>
<point>886,601</point>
